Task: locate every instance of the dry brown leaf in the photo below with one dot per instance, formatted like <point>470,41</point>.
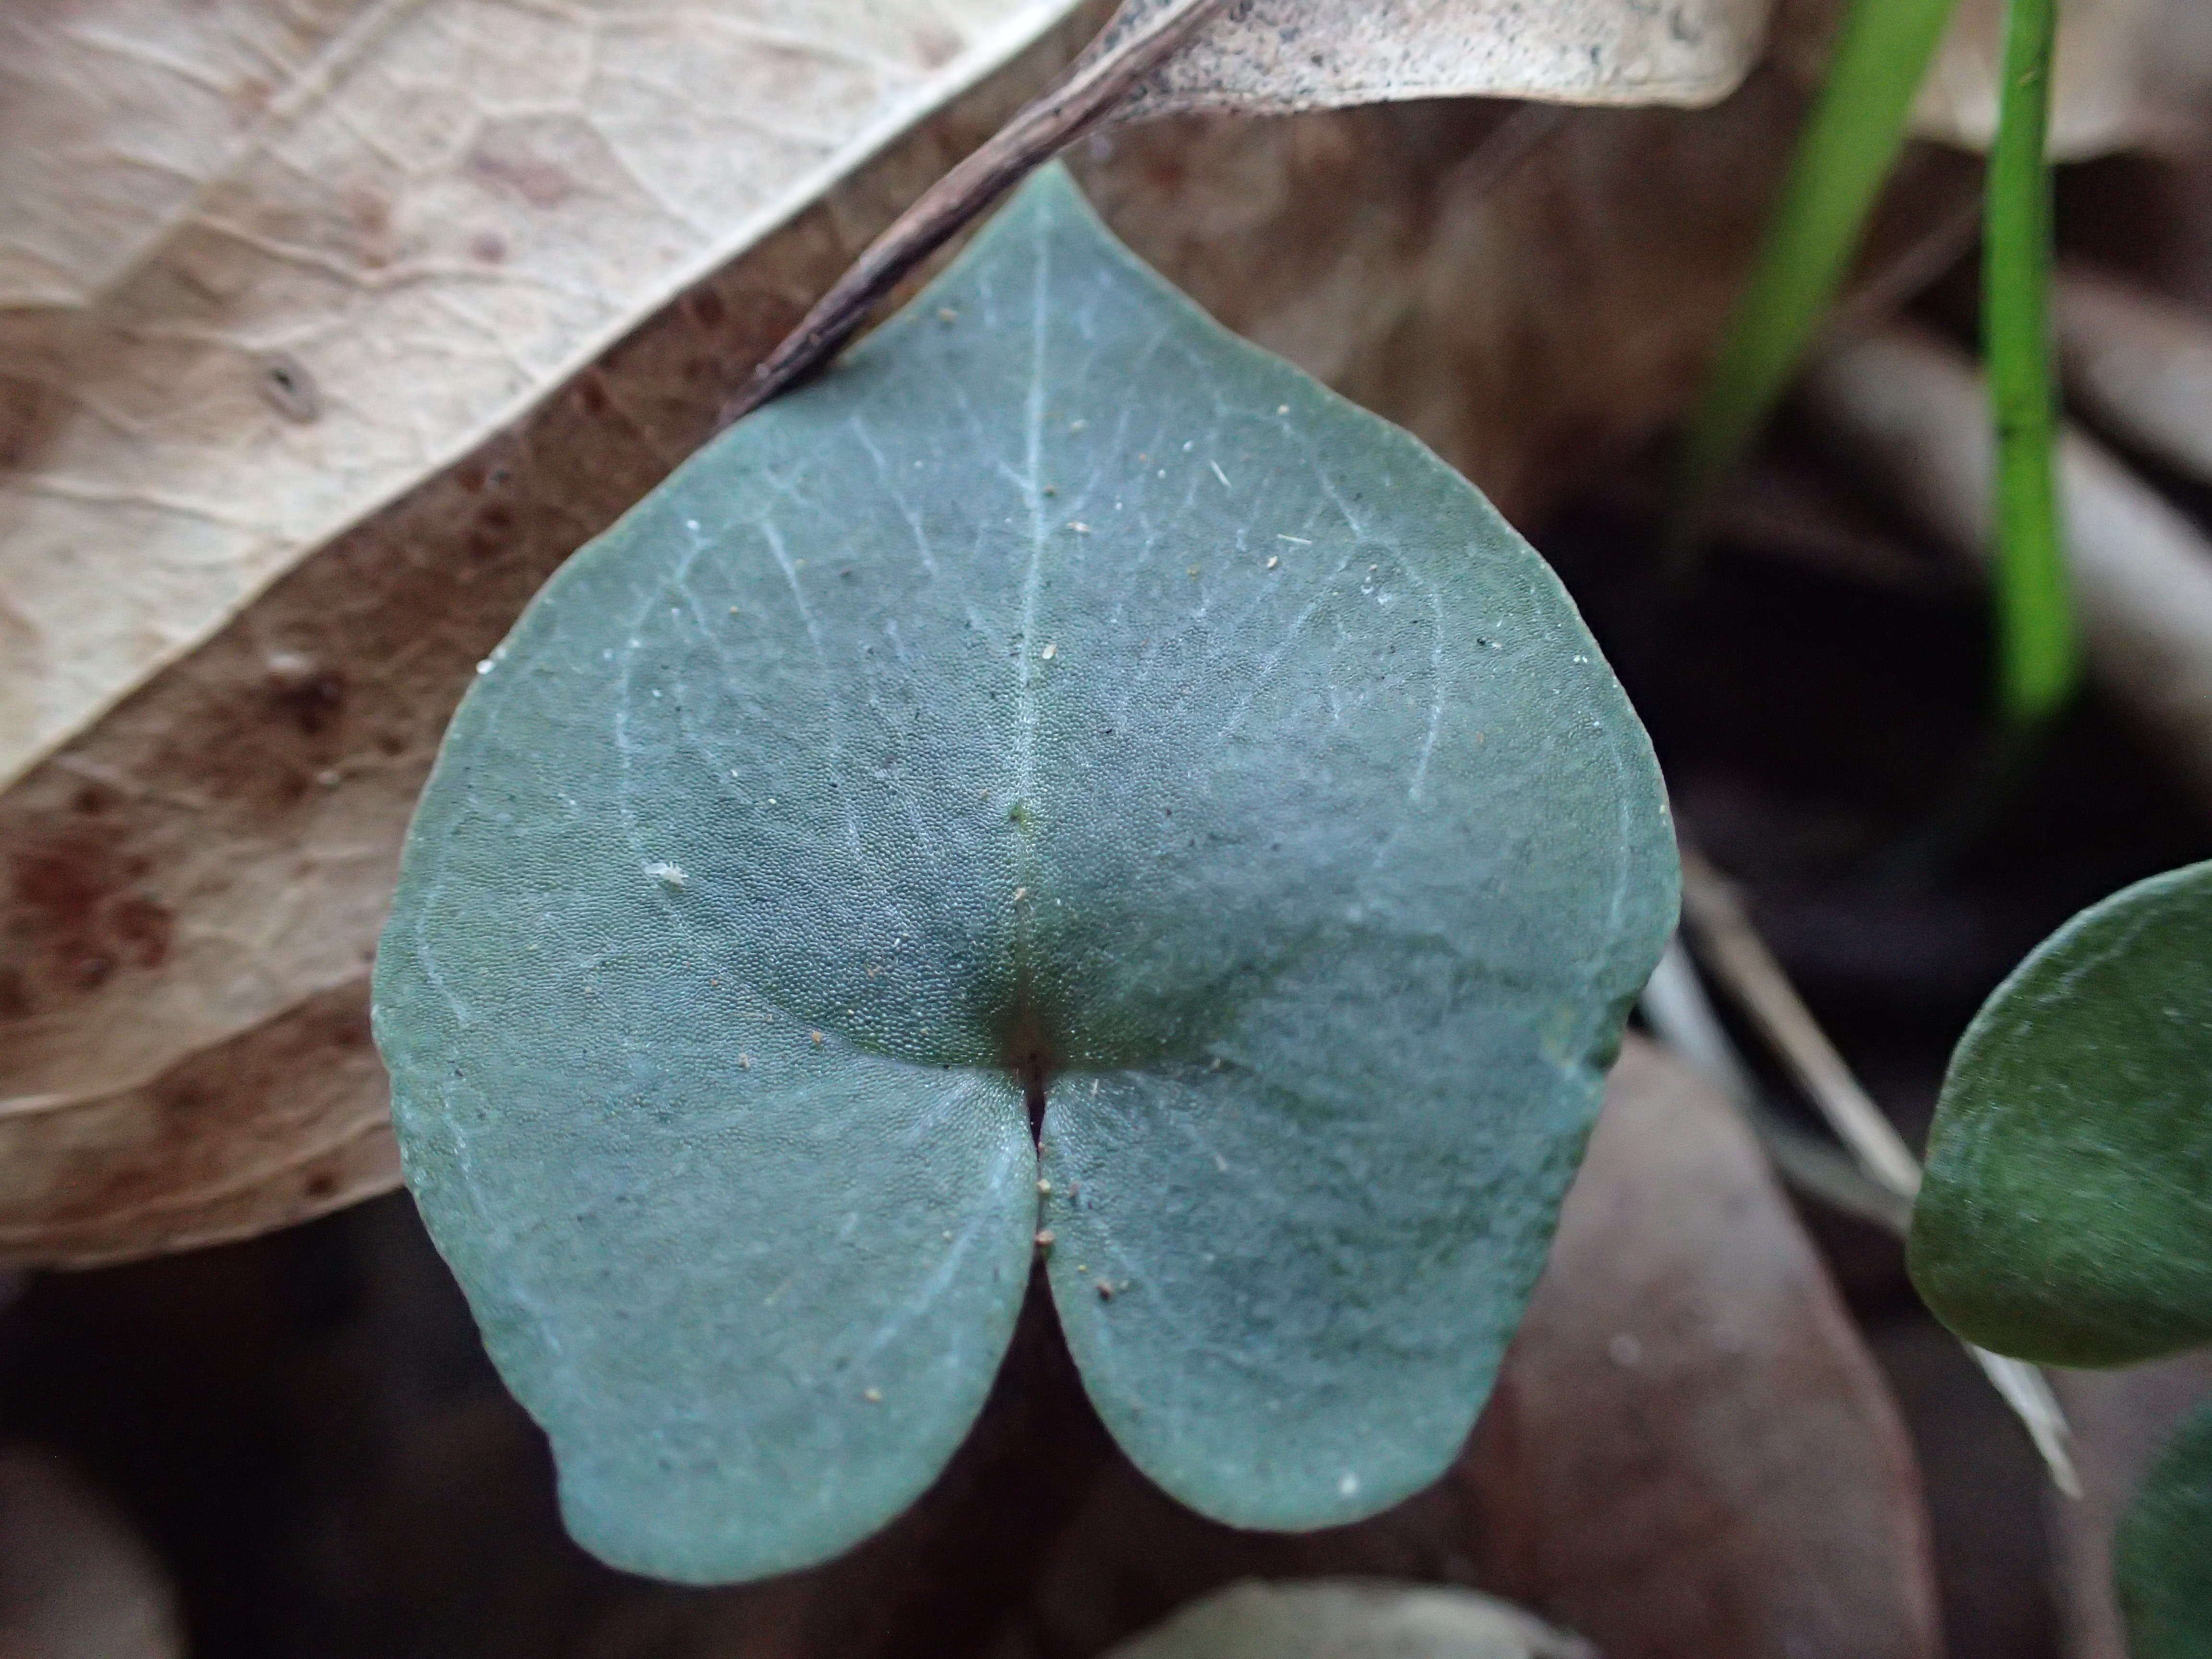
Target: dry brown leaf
<point>266,266</point>
<point>1159,56</point>
<point>74,1582</point>
<point>282,1122</point>
<point>193,889</point>
<point>1911,412</point>
<point>1533,292</point>
<point>2126,74</point>
<point>215,856</point>
<point>1352,1618</point>
<point>1275,56</point>
<point>2139,365</point>
<point>1690,1450</point>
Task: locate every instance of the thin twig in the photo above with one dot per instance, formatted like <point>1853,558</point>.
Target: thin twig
<point>1089,90</point>
<point>1675,1003</point>
<point>1680,1014</point>
<point>1748,968</point>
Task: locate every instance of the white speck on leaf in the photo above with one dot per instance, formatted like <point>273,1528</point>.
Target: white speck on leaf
<point>668,875</point>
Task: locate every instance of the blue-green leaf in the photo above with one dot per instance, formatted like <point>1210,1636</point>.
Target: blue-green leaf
<point>2067,1211</point>
<point>1062,699</point>
<point>2163,1555</point>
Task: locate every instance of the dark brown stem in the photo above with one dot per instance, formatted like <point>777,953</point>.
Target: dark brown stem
<point>1089,90</point>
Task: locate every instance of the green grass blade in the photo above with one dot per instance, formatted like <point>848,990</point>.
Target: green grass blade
<point>1849,144</point>
<point>2038,659</point>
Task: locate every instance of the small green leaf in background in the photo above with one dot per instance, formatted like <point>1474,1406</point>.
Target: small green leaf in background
<point>2037,660</point>
<point>2163,1555</point>
<point>1059,697</point>
<point>1851,143</point>
<point>2066,1215</point>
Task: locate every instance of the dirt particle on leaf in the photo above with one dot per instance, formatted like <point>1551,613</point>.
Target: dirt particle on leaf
<point>304,692</point>
<point>817,1036</point>
<point>1046,1238</point>
<point>287,387</point>
<point>874,1396</point>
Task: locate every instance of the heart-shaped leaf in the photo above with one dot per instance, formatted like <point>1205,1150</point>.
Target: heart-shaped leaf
<point>1062,705</point>
<point>2163,1554</point>
<point>2066,1213</point>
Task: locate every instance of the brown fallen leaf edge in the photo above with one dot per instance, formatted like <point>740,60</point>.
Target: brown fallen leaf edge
<point>186,833</point>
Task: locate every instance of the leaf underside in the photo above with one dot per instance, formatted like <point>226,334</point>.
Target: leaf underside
<point>2067,1211</point>
<point>2163,1554</point>
<point>1061,697</point>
